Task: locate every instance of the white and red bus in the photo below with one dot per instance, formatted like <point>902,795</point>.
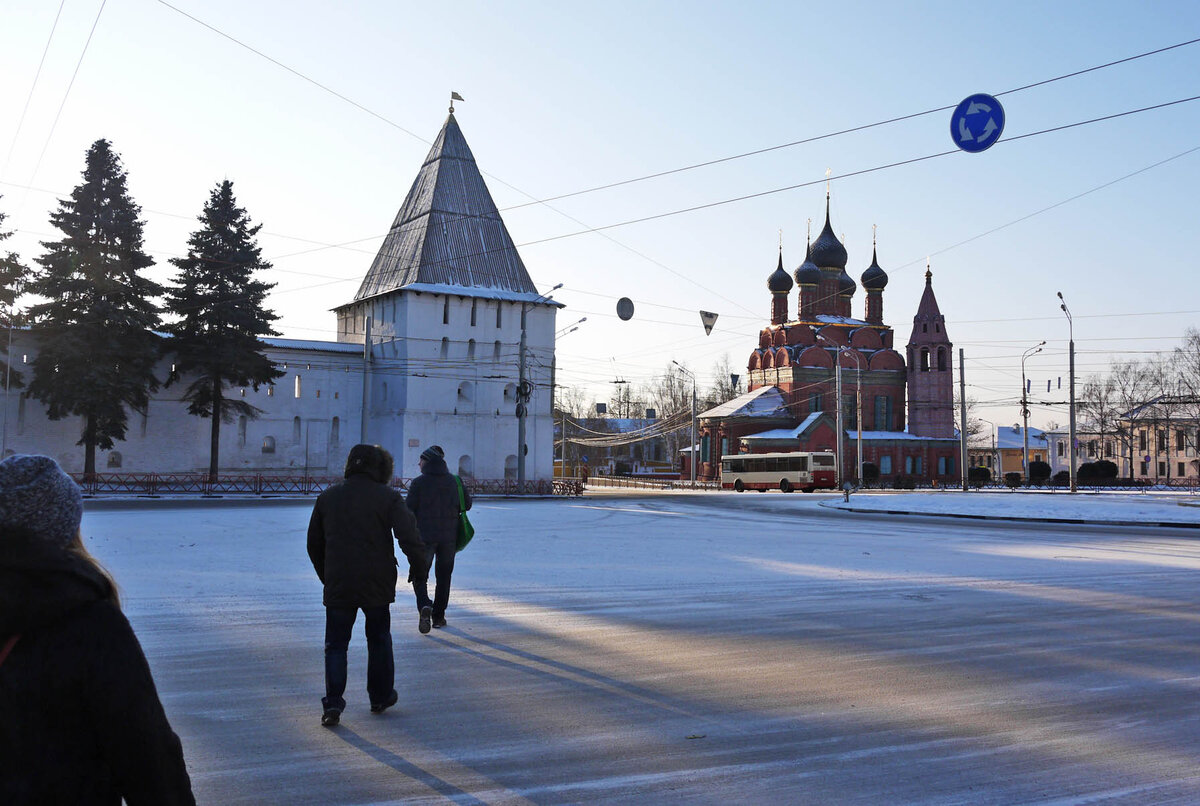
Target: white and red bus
<point>779,471</point>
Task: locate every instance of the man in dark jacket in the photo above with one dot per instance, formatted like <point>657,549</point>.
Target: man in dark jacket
<point>350,545</point>
<point>81,720</point>
<point>433,498</point>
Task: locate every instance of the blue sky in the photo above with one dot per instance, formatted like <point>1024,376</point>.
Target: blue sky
<point>565,96</point>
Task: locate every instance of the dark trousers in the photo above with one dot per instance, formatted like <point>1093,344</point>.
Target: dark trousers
<point>381,669</point>
<point>439,557</point>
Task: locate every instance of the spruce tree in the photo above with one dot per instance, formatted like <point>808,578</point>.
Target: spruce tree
<point>221,316</point>
<point>13,275</point>
<point>96,346</point>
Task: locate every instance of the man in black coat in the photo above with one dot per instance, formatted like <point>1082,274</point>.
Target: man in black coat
<point>350,545</point>
<point>433,498</point>
<point>80,719</point>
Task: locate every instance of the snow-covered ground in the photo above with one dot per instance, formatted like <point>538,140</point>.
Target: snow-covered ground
<point>694,648</point>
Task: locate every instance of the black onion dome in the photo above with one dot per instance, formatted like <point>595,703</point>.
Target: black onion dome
<point>807,273</point>
<point>874,278</point>
<point>846,284</point>
<point>779,282</point>
<point>827,251</point>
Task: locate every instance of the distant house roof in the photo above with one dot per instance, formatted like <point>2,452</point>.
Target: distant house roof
<point>448,231</point>
<point>765,401</point>
<point>1010,437</point>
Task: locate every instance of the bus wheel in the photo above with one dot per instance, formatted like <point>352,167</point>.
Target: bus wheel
<point>785,485</point>
<point>737,485</point>
<point>808,489</point>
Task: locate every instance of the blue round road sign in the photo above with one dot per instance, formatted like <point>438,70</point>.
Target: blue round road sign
<point>977,123</point>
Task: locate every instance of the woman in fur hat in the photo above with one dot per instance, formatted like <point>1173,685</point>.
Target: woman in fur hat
<point>81,720</point>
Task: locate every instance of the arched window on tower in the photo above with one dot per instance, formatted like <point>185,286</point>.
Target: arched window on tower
<point>924,359</point>
<point>941,359</point>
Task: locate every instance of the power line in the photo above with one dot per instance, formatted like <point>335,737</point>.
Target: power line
<point>32,87</point>
<point>67,94</point>
<point>839,133</point>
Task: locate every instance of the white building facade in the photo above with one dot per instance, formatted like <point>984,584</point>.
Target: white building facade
<point>443,308</point>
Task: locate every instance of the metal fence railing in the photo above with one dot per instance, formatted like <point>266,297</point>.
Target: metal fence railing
<point>155,484</point>
<point>633,482</point>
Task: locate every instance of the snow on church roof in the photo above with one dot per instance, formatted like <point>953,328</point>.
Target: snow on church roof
<point>448,232</point>
<point>765,401</point>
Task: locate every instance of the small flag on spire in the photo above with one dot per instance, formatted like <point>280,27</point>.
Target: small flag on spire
<point>454,96</point>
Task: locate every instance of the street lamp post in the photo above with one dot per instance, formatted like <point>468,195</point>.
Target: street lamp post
<point>524,393</point>
<point>1025,407</point>
<point>692,452</point>
<point>1071,370</point>
<point>995,454</point>
<point>837,367</point>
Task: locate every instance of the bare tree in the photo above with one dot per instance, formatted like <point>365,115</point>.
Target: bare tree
<point>1131,391</point>
<point>975,426</point>
<point>723,388</point>
<point>670,395</point>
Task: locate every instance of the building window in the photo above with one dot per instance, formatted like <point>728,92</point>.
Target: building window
<point>268,445</point>
<point>445,353</point>
<point>1162,468</point>
<point>885,465</point>
<point>471,350</point>
<point>465,391</point>
<point>917,465</point>
<point>1060,447</point>
<point>297,393</point>
<point>496,351</point>
<point>296,430</point>
<point>908,464</point>
<point>1091,448</point>
<point>942,359</point>
<point>1142,442</point>
<point>241,431</point>
<point>924,359</point>
<point>446,310</point>
<point>724,446</point>
<point>1182,471</point>
<point>1161,443</point>
<point>1180,441</point>
<point>114,459</point>
<point>1108,448</point>
<point>941,465</point>
<point>1144,468</point>
<point>814,403</point>
<point>499,314</point>
<point>335,431</point>
<point>510,467</point>
<point>474,310</point>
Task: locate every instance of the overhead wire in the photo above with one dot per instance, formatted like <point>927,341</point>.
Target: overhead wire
<point>32,88</point>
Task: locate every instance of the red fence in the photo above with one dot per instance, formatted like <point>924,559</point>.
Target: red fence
<point>260,484</point>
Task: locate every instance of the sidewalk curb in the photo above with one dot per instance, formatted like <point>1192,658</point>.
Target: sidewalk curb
<point>1160,524</point>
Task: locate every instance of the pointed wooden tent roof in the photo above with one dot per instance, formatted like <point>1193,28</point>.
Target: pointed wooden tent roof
<point>448,232</point>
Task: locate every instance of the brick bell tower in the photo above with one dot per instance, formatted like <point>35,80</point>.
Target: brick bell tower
<point>930,370</point>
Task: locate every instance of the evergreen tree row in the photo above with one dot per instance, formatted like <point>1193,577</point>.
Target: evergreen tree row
<point>100,332</point>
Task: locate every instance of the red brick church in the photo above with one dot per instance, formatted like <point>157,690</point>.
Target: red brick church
<point>792,377</point>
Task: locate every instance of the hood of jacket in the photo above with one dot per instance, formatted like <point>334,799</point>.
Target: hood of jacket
<point>40,583</point>
<point>435,467</point>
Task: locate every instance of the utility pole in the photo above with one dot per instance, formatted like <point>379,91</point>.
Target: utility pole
<point>962,417</point>
<point>1071,331</point>
<point>841,430</point>
<point>694,453</point>
<point>366,393</point>
<point>525,391</point>
<point>1025,408</point>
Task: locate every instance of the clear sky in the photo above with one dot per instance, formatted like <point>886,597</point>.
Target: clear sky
<point>566,96</point>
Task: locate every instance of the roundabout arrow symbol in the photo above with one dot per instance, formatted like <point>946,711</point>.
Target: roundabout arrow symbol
<point>976,106</point>
<point>988,130</point>
<point>964,134</point>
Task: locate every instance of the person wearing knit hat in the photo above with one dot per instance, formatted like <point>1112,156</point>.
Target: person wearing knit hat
<point>433,498</point>
<point>82,719</point>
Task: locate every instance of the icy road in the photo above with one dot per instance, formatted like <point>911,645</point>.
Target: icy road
<point>703,648</point>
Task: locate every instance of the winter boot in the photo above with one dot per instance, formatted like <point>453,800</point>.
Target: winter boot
<point>423,623</point>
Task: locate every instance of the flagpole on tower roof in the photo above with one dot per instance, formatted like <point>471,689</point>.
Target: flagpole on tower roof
<point>454,96</point>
